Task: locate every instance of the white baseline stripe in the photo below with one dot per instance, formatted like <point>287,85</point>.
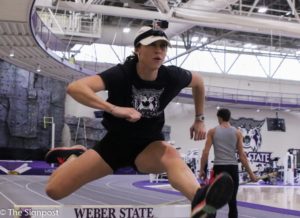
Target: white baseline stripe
<point>43,196</point>
<point>7,198</point>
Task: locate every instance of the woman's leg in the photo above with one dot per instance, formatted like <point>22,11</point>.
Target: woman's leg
<point>161,157</point>
<point>75,172</point>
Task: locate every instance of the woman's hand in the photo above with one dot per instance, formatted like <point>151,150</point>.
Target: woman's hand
<point>128,113</point>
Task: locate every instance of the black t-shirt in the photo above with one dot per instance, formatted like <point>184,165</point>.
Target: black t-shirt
<point>127,89</point>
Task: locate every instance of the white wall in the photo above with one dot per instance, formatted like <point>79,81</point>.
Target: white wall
<point>73,108</point>
<point>180,117</point>
<point>252,85</point>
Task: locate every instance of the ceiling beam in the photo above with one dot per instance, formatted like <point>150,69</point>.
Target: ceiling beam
<point>196,17</point>
<point>238,23</point>
<point>252,7</point>
<point>294,11</point>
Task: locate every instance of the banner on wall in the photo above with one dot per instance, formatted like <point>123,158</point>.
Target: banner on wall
<point>251,130</point>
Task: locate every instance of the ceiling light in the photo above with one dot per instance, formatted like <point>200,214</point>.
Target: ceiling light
<point>248,45</point>
<point>177,43</point>
<point>11,53</point>
<point>126,30</point>
<point>254,46</point>
<point>195,39</point>
<point>288,13</point>
<point>38,69</point>
<point>204,39</point>
<point>262,9</point>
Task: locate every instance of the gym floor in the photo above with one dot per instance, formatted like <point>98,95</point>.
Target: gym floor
<point>255,201</point>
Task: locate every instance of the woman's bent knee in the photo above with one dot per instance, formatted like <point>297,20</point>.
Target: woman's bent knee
<point>53,192</point>
<point>56,192</point>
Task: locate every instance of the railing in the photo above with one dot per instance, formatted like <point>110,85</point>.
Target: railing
<point>73,24</point>
<point>51,43</point>
<point>50,40</point>
<point>274,100</point>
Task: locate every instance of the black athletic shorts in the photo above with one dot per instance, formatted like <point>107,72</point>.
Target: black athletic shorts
<point>121,150</point>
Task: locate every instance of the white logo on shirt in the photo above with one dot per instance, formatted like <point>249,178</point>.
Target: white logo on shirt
<point>146,101</point>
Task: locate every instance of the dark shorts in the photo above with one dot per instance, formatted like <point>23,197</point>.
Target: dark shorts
<point>121,150</point>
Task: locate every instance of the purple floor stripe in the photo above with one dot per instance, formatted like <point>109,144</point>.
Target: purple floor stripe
<point>145,185</point>
<point>269,208</point>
